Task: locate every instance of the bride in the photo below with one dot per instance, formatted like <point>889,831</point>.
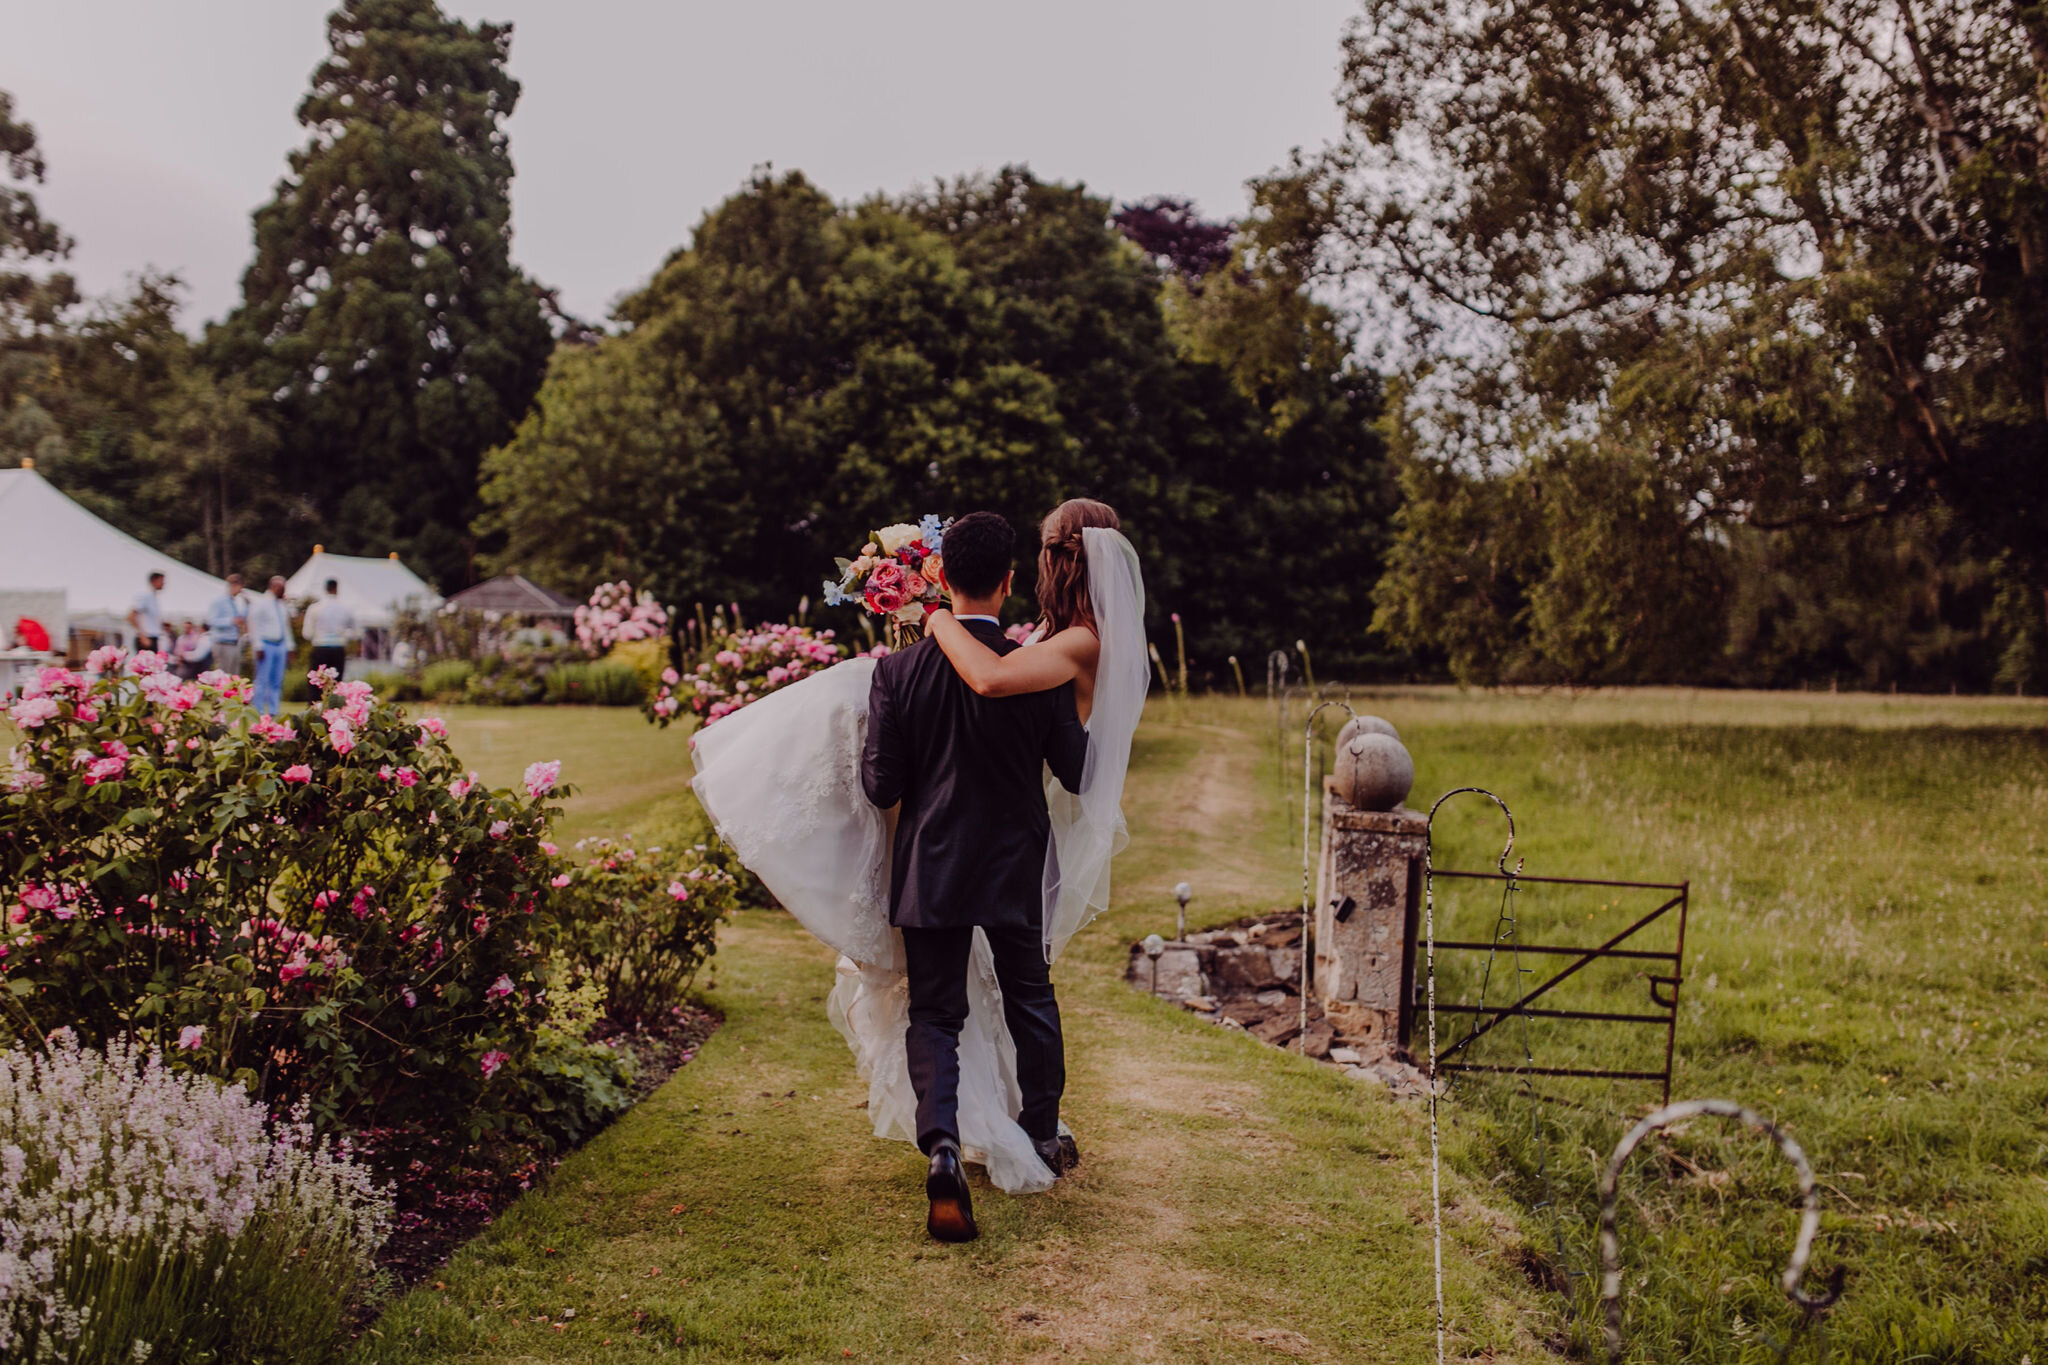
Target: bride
<point>780,780</point>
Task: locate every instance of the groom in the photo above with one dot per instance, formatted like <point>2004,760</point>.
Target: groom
<point>971,854</point>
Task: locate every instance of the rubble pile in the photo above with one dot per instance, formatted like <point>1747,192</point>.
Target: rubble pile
<point>1247,976</point>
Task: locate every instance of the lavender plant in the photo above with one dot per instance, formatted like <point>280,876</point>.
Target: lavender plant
<point>147,1214</point>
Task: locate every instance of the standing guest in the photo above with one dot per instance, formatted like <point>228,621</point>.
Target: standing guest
<point>270,625</point>
<point>195,651</point>
<point>329,623</point>
<point>227,621</point>
<point>146,617</point>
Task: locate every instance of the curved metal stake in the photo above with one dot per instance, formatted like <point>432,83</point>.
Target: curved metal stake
<point>1802,1246</point>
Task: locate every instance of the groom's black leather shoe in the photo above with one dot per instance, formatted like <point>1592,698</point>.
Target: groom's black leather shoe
<point>952,1214</point>
<point>1060,1154</point>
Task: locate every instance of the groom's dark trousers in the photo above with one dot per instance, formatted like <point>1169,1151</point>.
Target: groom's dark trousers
<point>970,853</point>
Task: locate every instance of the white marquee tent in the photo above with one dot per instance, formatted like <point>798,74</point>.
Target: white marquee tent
<point>49,542</point>
<point>375,590</point>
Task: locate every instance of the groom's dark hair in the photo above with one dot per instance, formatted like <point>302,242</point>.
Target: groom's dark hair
<point>979,549</point>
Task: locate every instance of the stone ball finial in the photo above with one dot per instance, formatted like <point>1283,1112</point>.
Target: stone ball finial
<point>1373,770</point>
<point>1365,725</point>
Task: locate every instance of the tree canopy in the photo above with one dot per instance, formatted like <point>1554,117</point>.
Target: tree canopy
<point>383,310</point>
<point>1743,263</point>
<point>804,371</point>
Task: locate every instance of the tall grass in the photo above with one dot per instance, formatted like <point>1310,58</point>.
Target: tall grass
<point>1867,963</point>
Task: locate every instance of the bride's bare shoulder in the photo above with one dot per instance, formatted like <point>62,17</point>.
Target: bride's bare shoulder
<point>1078,642</point>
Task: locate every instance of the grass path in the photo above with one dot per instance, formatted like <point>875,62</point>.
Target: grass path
<point>1234,1204</point>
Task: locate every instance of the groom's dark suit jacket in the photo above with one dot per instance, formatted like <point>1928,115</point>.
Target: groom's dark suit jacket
<point>971,837</point>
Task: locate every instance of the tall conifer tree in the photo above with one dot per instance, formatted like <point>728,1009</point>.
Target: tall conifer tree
<point>383,309</point>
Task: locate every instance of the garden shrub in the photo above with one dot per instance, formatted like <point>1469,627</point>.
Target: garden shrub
<point>744,666</point>
<point>394,685</point>
<point>645,657</point>
<point>594,684</point>
<point>323,907</point>
<point>152,1215</point>
<point>445,679</point>
<point>639,923</point>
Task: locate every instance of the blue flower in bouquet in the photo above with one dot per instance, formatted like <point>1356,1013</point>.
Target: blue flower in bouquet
<point>933,532</point>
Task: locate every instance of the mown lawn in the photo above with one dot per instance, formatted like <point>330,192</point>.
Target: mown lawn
<point>1868,946</point>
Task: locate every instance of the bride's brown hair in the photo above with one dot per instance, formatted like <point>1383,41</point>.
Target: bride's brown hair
<point>1063,562</point>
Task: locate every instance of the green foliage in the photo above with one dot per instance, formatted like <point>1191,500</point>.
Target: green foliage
<point>446,679</point>
<point>603,683</point>
<point>639,923</point>
<point>803,371</point>
<point>383,306</point>
<point>326,909</point>
<point>1770,266</point>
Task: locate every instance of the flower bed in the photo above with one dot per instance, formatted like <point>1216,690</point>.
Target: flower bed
<point>152,1215</point>
<point>741,667</point>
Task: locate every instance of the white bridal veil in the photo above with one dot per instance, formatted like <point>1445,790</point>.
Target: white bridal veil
<point>781,781</point>
<point>1088,828</point>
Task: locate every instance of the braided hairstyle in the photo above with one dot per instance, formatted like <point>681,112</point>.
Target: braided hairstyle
<point>1063,562</point>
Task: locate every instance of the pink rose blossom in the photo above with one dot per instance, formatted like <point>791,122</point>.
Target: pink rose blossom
<point>480,925</point>
<point>147,662</point>
<point>32,712</point>
<point>433,725</point>
<point>541,777</point>
<point>298,772</point>
<point>670,676</point>
<point>560,881</point>
<point>499,989</point>
<point>547,846</point>
<point>407,777</point>
<point>491,1061</point>
<point>499,829</point>
<point>105,659</point>
<point>191,1036</point>
<point>271,729</point>
<point>679,891</point>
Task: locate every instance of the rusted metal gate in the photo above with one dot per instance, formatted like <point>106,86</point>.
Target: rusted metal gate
<point>1626,945</point>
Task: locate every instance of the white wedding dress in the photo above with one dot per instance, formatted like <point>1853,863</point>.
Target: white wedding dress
<point>781,782</point>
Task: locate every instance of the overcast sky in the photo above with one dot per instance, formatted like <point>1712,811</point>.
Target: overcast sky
<point>166,121</point>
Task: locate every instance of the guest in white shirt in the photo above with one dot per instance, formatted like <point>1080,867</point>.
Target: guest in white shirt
<point>270,626</point>
<point>329,623</point>
<point>147,615</point>
<point>227,621</point>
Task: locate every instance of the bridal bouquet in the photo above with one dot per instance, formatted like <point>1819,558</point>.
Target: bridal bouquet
<point>895,576</point>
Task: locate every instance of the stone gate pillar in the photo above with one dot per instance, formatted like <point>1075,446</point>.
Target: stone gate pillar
<point>1367,910</point>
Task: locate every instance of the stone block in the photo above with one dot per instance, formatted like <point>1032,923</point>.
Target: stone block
<point>1244,969</point>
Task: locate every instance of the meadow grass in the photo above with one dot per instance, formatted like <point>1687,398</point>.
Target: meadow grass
<point>1865,964</point>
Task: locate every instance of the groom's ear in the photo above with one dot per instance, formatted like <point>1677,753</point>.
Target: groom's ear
<point>1009,582</point>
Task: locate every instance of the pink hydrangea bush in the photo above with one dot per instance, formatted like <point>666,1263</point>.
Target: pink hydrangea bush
<point>640,922</point>
<point>614,615</point>
<point>152,1214</point>
<point>742,667</point>
<point>329,899</point>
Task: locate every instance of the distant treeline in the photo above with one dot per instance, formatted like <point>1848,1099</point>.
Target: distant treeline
<point>1671,458</point>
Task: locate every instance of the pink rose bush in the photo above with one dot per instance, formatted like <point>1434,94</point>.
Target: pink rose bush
<point>743,667</point>
<point>326,908</point>
<point>614,615</point>
<point>629,931</point>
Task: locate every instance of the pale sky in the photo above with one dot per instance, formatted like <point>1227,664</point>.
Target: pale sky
<point>166,121</point>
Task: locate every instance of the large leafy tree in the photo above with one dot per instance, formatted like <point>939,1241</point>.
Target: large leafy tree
<point>805,371</point>
<point>383,309</point>
<point>1787,262</point>
<point>35,295</point>
<point>796,376</point>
